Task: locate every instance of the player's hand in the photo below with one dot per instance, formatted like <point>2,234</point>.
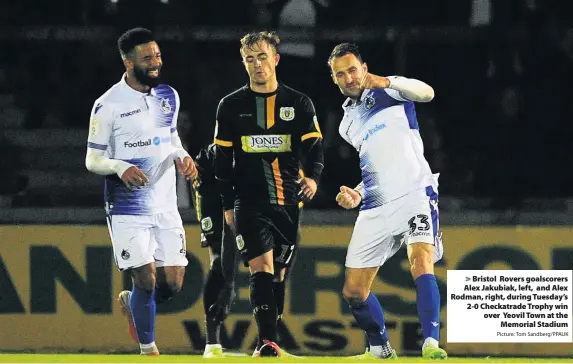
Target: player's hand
<point>348,197</point>
<point>230,218</point>
<point>134,177</point>
<point>219,310</point>
<point>372,81</point>
<point>187,168</point>
<point>308,188</point>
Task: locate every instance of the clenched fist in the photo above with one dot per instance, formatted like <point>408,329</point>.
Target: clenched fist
<point>372,81</point>
<point>348,197</point>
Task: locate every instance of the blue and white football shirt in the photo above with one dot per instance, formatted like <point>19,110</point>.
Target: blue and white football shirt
<point>136,128</point>
<point>383,128</point>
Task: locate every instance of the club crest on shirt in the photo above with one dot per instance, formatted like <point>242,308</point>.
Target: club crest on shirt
<point>240,242</point>
<point>165,106</point>
<point>287,113</point>
<point>206,224</point>
<point>369,102</point>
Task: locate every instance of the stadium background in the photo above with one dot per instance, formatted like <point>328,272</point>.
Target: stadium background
<point>499,131</point>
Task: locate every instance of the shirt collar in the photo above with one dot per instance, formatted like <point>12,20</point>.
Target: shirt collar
<point>351,103</point>
<point>265,94</point>
<point>130,90</point>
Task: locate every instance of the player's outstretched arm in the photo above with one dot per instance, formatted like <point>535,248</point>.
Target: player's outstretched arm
<point>411,89</point>
<point>400,88</point>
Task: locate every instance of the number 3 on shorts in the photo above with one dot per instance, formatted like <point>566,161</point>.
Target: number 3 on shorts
<point>419,223</point>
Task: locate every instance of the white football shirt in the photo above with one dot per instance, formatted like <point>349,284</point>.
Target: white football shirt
<point>383,128</point>
<point>136,128</point>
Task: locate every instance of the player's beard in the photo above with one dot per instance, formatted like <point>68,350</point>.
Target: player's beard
<point>353,92</point>
<point>143,78</point>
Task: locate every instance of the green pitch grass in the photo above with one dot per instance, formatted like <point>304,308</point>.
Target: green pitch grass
<point>99,358</point>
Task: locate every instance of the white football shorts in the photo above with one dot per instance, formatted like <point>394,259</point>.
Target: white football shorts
<point>379,232</point>
<point>142,239</point>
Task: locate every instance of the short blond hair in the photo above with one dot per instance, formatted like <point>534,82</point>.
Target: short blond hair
<point>250,40</point>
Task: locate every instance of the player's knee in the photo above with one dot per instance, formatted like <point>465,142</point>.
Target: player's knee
<point>355,293</point>
<point>144,279</point>
<point>166,290</point>
<point>145,283</point>
<point>174,287</point>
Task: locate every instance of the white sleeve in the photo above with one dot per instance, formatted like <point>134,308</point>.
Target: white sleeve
<point>97,163</point>
<point>360,188</point>
<point>178,150</point>
<point>176,113</point>
<point>409,89</point>
<point>101,123</point>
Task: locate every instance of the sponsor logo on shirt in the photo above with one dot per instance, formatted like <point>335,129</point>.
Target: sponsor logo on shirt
<point>374,130</point>
<point>418,234</point>
<point>266,143</point>
<point>146,143</point>
<point>137,144</point>
<point>129,113</point>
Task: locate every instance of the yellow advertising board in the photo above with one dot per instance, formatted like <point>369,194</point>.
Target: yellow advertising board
<point>58,286</point>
